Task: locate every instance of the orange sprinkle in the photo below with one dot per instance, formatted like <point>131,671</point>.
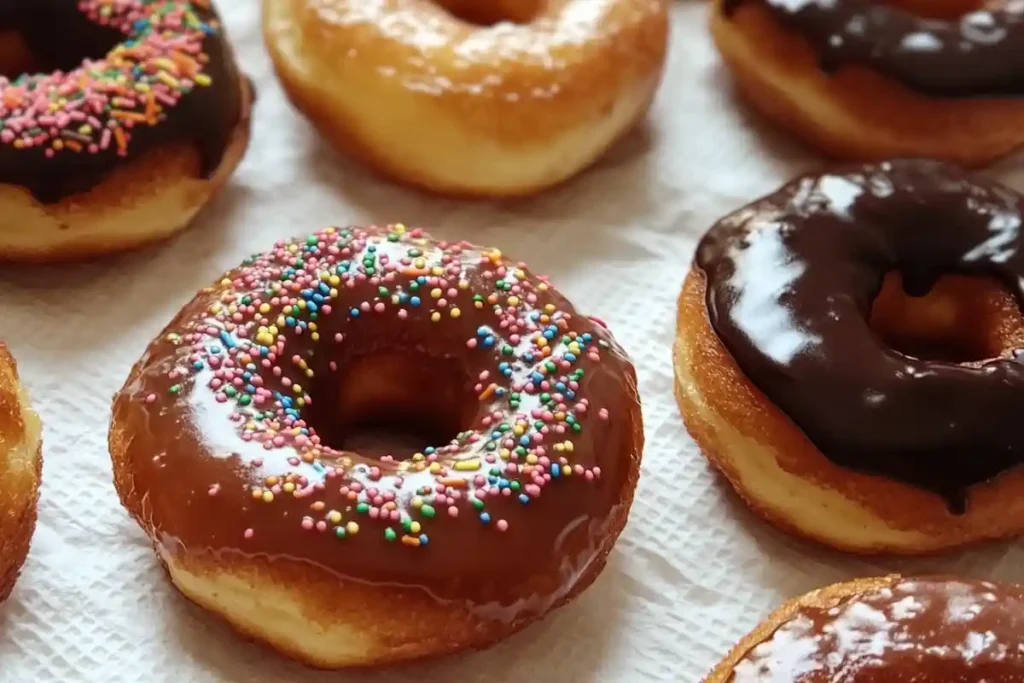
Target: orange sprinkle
<point>455,483</point>
<point>122,142</point>
<point>488,392</point>
<point>410,540</point>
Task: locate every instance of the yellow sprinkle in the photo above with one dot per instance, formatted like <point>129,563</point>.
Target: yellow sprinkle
<point>435,316</point>
<point>203,80</point>
<point>435,293</point>
<point>505,453</point>
<point>463,284</point>
<point>542,287</point>
<point>417,457</point>
<point>417,502</point>
<point>226,281</point>
<point>289,487</point>
<point>531,459</point>
<point>415,527</point>
<point>566,471</point>
<point>420,263</point>
<point>268,496</point>
<point>352,528</point>
<point>399,228</point>
<point>559,416</point>
<point>316,337</point>
<point>334,281</point>
<point>437,270</point>
<point>513,300</point>
<point>435,467</point>
<point>549,308</point>
<point>467,465</point>
<point>455,313</point>
<point>297,389</point>
<point>333,516</point>
<point>518,431</point>
<point>568,446</point>
<point>264,308</point>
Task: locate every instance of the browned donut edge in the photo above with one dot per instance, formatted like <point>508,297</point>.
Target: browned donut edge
<point>141,180</point>
<point>822,598</point>
<point>856,114</point>
<point>18,506</point>
<point>853,512</point>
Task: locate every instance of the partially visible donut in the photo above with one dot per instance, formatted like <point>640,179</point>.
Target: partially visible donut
<point>471,98</point>
<point>20,471</point>
<point>887,629</point>
<point>231,447</point>
<point>848,355</point>
<point>867,80</point>
<point>111,153</point>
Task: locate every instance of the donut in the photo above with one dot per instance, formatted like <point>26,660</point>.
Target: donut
<point>120,148</point>
<point>864,81</point>
<point>470,98</point>
<point>235,447</point>
<point>847,355</point>
<point>889,628</point>
<point>21,464</point>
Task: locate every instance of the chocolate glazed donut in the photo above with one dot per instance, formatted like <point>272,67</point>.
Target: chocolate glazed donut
<point>887,629</point>
<point>980,54</point>
<point>866,80</point>
<point>787,286</point>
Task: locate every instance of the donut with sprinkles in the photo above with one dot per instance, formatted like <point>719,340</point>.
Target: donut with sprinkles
<point>127,116</point>
<point>232,443</point>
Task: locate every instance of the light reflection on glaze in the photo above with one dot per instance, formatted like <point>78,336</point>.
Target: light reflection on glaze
<point>917,630</point>
<point>982,53</point>
<point>790,283</point>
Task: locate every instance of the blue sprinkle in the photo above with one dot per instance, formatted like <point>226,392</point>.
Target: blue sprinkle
<point>250,389</point>
<point>289,321</point>
<point>556,471</point>
<point>423,539</point>
<point>537,378</point>
<point>483,331</point>
<point>523,498</point>
<point>215,349</point>
<point>571,357</point>
<point>311,307</point>
<point>524,440</point>
<point>492,480</point>
<point>485,517</point>
<point>198,365</point>
<point>227,340</point>
<point>354,312</point>
<point>488,342</point>
<point>324,289</point>
<point>549,334</point>
<point>415,301</point>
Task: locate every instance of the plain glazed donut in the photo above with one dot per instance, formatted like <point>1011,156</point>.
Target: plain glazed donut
<point>108,154</point>
<point>887,629</point>
<point>864,80</point>
<point>21,464</point>
<point>844,359</point>
<point>468,106</point>
<point>230,442</point>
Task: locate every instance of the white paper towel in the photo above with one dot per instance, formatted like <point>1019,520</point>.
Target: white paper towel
<point>693,570</point>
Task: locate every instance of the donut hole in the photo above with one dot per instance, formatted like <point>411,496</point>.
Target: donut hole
<point>34,48</point>
<point>961,319</point>
<point>392,404</point>
<point>493,12</point>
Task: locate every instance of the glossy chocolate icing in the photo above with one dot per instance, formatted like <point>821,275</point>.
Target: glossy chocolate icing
<point>928,629</point>
<point>790,283</point>
<point>60,35</point>
<point>386,351</point>
<point>980,54</point>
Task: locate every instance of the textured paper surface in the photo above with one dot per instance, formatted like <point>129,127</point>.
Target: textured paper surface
<point>692,572</point>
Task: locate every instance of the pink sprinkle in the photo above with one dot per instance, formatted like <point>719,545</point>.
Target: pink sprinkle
<point>307,523</point>
<point>502,525</point>
<point>453,511</point>
<point>248,533</point>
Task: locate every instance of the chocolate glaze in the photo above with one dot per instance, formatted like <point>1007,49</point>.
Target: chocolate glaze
<point>60,35</point>
<point>929,629</point>
<point>181,444</point>
<point>980,54</point>
<point>790,283</point>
